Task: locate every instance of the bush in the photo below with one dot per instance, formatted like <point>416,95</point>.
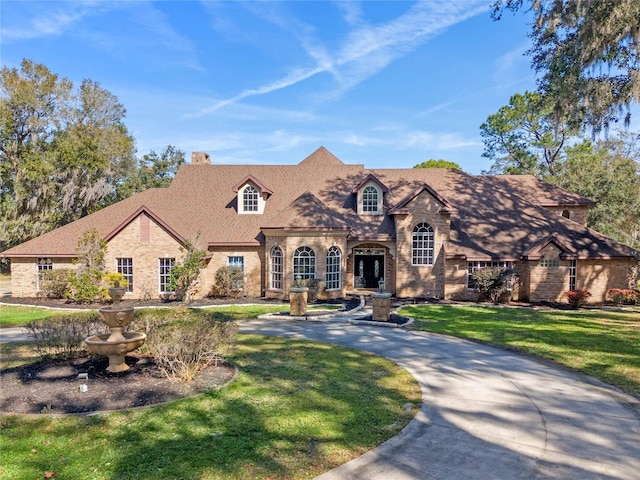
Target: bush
<point>623,295</point>
<point>62,336</point>
<point>577,298</point>
<point>229,283</point>
<point>55,283</point>
<point>187,342</point>
<point>316,288</point>
<point>85,286</point>
<point>494,283</point>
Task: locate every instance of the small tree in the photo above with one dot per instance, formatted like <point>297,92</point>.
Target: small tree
<point>493,283</point>
<point>185,274</point>
<point>86,282</point>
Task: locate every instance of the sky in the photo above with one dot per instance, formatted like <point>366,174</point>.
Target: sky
<point>387,84</point>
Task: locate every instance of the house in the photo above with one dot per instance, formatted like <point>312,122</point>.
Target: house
<point>423,232</point>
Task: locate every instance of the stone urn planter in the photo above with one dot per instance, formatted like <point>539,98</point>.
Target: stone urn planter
<point>298,301</point>
<point>381,306</point>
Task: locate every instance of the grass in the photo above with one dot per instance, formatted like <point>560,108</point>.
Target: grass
<point>603,344</point>
<point>297,409</point>
<point>12,316</point>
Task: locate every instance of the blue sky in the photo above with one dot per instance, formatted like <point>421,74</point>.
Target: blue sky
<point>385,83</point>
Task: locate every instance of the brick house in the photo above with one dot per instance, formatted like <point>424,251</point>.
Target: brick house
<point>421,231</point>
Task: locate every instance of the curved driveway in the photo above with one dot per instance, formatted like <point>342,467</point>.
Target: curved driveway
<point>486,413</point>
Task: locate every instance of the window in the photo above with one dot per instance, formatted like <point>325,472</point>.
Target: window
<point>333,277</point>
<point>237,262</point>
<point>552,263</point>
<point>304,264</point>
<point>566,214</point>
<point>250,199</point>
<point>276,268</point>
<point>572,275</point>
<point>164,271</point>
<point>370,199</point>
<point>473,267</point>
<point>125,267</point>
<point>422,245</point>
<point>44,265</point>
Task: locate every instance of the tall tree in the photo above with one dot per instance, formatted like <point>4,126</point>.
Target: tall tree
<point>439,163</point>
<point>153,170</point>
<point>61,151</point>
<point>587,53</point>
<point>525,137</point>
<point>607,172</point>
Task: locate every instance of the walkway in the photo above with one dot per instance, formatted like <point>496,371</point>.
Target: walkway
<point>486,413</point>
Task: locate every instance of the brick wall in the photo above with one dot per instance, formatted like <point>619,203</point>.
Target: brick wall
<point>598,276</point>
<point>145,242</point>
<point>421,280</point>
<point>577,214</point>
<point>253,258</point>
<point>24,272</point>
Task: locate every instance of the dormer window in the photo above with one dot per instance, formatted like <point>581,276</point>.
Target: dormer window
<point>370,199</point>
<point>252,195</point>
<point>370,196</point>
<point>250,199</point>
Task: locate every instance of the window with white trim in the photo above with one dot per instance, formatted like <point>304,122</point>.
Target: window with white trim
<point>124,266</point>
<point>550,263</point>
<point>304,264</point>
<point>276,268</point>
<point>237,262</point>
<point>44,265</point>
<point>164,274</point>
<point>422,244</point>
<point>370,199</point>
<point>573,270</point>
<point>333,279</point>
<point>250,199</point>
<point>473,267</point>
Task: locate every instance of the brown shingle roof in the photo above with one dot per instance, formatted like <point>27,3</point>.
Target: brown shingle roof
<point>492,217</point>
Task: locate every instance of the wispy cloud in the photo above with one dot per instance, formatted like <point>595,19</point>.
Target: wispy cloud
<point>367,49</point>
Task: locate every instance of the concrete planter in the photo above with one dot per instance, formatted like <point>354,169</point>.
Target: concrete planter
<point>298,301</point>
<point>381,306</point>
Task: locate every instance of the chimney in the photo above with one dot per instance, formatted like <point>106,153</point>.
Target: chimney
<point>200,158</point>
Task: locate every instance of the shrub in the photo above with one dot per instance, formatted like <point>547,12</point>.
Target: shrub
<point>62,336</point>
<point>55,283</point>
<point>577,298</point>
<point>85,286</point>
<point>494,283</point>
<point>229,282</point>
<point>186,343</point>
<point>185,274</point>
<point>623,295</point>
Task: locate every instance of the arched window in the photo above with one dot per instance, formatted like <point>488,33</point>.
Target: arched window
<point>422,245</point>
<point>333,278</point>
<point>304,264</point>
<point>370,199</point>
<point>566,214</point>
<point>276,268</point>
<point>250,199</point>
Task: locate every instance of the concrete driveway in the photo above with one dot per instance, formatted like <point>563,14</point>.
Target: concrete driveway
<point>486,413</point>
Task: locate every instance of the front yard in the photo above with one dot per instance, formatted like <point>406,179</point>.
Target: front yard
<point>602,343</point>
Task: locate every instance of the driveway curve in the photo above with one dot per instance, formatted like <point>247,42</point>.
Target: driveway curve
<point>486,413</point>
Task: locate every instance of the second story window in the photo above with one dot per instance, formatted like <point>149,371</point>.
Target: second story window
<point>370,199</point>
<point>250,199</point>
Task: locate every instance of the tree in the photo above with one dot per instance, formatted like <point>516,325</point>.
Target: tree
<point>588,55</point>
<point>525,137</point>
<point>61,151</point>
<point>153,170</point>
<point>186,273</point>
<point>439,163</point>
<point>86,281</point>
<point>607,173</point>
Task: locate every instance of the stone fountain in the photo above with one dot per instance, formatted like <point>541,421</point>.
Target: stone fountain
<point>116,344</point>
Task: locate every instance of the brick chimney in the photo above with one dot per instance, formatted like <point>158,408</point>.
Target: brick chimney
<point>200,158</point>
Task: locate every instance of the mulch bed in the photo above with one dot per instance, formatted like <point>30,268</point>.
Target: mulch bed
<point>52,386</point>
<point>393,318</point>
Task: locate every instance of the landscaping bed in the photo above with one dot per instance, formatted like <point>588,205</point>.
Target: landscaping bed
<point>52,386</point>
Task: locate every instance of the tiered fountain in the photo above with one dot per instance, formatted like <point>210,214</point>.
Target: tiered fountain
<point>116,344</point>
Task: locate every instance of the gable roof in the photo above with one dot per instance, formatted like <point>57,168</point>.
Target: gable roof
<point>492,217</point>
<point>371,177</point>
<point>255,181</point>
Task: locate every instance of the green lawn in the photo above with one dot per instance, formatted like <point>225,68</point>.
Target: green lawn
<point>11,316</point>
<point>297,409</point>
<point>603,344</point>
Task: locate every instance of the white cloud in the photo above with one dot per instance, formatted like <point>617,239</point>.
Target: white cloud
<point>366,51</point>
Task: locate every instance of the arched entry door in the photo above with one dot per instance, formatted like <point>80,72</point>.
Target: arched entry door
<point>368,267</point>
